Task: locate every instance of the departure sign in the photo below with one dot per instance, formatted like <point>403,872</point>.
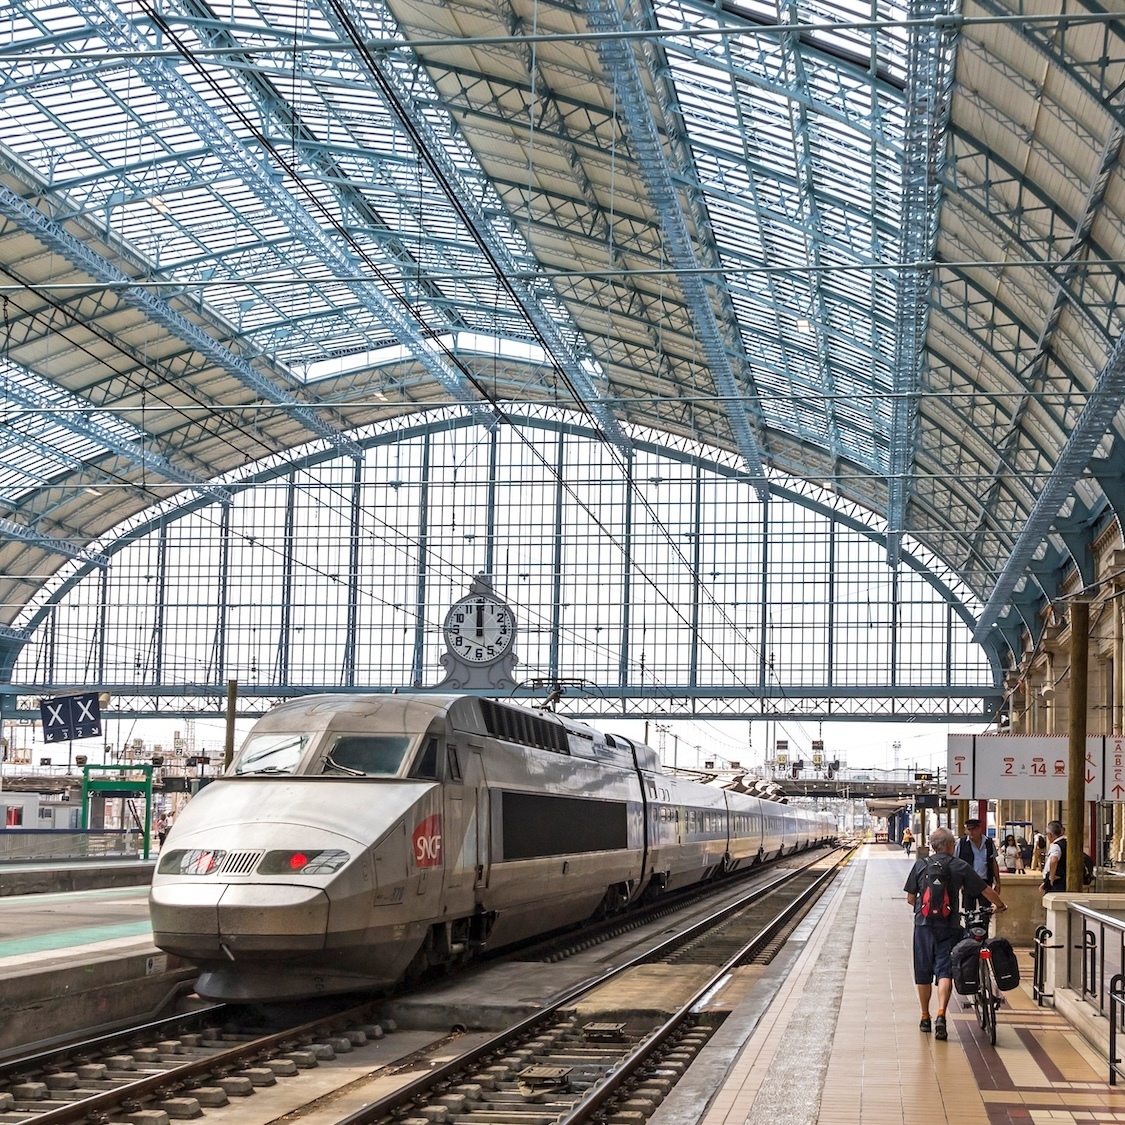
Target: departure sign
<point>71,716</point>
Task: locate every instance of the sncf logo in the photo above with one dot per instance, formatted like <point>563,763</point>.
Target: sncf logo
<point>427,842</point>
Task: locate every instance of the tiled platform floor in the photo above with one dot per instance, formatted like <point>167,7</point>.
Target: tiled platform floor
<point>837,1052</point>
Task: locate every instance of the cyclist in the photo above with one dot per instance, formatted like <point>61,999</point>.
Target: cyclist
<point>934,937</point>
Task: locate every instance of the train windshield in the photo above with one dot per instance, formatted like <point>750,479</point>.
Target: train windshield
<point>271,753</point>
<point>368,755</point>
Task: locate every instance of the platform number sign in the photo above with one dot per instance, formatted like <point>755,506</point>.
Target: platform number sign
<point>71,716</point>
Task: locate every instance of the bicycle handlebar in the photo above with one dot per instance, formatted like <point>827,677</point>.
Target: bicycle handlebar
<point>979,912</point>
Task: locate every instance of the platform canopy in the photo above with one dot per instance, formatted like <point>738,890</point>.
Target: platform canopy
<point>878,247</point>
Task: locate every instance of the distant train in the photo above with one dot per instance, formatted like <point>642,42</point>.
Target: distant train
<point>356,840</point>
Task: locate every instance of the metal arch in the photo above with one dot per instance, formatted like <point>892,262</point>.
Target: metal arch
<point>931,62</point>
<point>542,309</point>
<point>1062,273</point>
<point>1044,40</point>
<point>115,26</point>
<point>948,310</point>
<point>1097,416</point>
<point>618,59</point>
<point>9,529</point>
<point>66,416</point>
<point>279,470</point>
<point>784,136</point>
<point>809,208</point>
<point>53,236</point>
<point>860,122</point>
<point>1042,453</point>
<point>589,220</point>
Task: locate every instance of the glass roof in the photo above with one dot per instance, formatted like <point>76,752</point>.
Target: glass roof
<point>234,229</point>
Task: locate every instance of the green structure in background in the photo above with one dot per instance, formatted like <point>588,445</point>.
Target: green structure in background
<point>119,787</point>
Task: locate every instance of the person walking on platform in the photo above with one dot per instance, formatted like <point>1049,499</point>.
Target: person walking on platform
<point>907,840</point>
<point>932,889</point>
<point>1038,852</point>
<point>979,851</point>
<point>1013,857</point>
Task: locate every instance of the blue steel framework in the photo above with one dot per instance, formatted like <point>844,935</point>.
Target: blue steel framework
<point>683,591</point>
<point>876,247</point>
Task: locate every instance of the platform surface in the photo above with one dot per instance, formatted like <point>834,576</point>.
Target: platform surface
<point>58,876</point>
<point>44,927</point>
<point>837,1042</point>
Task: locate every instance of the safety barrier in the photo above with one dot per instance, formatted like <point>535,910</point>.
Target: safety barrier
<point>20,845</point>
<point>1039,991</point>
<point>1095,954</point>
<point>1116,1014</point>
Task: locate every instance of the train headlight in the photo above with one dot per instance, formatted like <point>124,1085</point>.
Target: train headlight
<point>191,861</point>
<point>310,862</point>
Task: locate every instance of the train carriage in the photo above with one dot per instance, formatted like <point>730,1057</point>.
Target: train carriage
<point>358,839</point>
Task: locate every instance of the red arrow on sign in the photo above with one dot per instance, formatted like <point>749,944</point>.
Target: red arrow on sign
<point>1118,790</point>
<point>955,790</point>
<point>1089,777</point>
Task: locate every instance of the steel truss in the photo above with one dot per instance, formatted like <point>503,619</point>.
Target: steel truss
<point>666,588</point>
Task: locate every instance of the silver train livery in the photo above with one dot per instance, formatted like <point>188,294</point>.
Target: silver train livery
<point>357,840</point>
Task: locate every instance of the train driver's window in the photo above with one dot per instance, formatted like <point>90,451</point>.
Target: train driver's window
<point>454,763</point>
<point>426,764</point>
<point>271,753</point>
<point>367,755</point>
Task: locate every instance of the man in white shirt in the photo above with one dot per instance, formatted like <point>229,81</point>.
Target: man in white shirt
<point>1054,866</point>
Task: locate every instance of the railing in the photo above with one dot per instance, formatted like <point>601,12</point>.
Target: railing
<point>1095,954</point>
<point>23,844</point>
<point>1039,991</point>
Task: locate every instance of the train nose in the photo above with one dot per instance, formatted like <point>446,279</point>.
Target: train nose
<point>223,921</point>
<point>269,918</point>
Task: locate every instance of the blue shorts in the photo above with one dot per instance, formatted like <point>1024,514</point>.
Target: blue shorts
<point>931,954</point>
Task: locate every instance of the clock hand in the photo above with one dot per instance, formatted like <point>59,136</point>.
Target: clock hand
<point>480,620</point>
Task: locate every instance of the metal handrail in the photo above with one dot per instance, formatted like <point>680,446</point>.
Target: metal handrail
<point>1039,991</point>
<point>1096,953</point>
<point>1116,1010</point>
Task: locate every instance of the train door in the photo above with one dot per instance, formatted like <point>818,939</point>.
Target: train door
<point>484,823</point>
<point>461,850</point>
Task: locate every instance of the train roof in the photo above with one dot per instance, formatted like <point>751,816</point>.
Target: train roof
<point>482,715</point>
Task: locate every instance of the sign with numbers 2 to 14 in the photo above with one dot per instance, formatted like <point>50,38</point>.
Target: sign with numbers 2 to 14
<point>71,716</point>
<point>1031,767</point>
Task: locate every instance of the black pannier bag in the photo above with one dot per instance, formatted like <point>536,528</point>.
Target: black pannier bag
<point>966,966</point>
<point>1005,967</point>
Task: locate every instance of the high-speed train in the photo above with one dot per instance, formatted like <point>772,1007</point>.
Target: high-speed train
<point>356,840</point>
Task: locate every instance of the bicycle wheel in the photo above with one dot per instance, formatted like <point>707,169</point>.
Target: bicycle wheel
<point>988,1001</point>
<point>978,1006</point>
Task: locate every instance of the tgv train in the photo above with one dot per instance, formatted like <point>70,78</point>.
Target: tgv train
<point>356,840</point>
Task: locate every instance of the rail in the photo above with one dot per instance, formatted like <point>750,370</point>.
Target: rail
<point>1095,953</point>
<point>1116,1010</point>
<point>588,1103</point>
<point>1039,991</point>
<point>19,845</point>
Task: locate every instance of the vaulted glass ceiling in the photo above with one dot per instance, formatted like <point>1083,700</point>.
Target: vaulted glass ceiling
<point>875,246</point>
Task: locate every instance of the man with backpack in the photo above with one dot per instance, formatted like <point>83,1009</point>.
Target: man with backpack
<point>933,889</point>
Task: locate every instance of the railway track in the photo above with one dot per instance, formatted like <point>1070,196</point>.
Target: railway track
<point>564,1064</point>
<point>561,1067</point>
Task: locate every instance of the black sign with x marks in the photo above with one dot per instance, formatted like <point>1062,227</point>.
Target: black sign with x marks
<point>71,716</point>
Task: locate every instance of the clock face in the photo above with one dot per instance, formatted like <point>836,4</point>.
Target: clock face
<point>479,629</point>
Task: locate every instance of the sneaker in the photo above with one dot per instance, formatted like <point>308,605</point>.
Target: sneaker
<point>925,1025</point>
<point>939,1028</point>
